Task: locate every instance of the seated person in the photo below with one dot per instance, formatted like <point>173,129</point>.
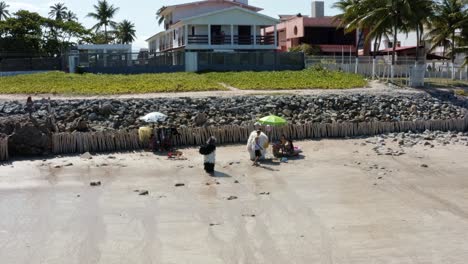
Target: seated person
<point>277,149</point>
<point>289,147</point>
<point>286,147</point>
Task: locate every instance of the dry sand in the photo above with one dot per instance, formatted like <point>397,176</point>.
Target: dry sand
<point>329,207</point>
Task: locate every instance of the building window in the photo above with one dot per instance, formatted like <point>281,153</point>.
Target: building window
<point>295,30</point>
<point>193,31</point>
<point>390,44</point>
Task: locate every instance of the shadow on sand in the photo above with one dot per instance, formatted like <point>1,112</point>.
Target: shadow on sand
<point>446,95</point>
<point>218,174</point>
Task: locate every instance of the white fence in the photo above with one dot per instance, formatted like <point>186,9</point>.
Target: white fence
<point>406,71</point>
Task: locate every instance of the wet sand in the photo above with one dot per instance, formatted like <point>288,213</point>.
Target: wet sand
<point>340,203</point>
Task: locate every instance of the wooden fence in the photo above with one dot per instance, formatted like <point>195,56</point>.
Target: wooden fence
<point>3,148</point>
<point>69,143</point>
<point>128,140</point>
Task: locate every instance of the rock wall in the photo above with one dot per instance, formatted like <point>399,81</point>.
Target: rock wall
<point>26,136</point>
<point>3,147</point>
<point>111,114</point>
<point>50,126</point>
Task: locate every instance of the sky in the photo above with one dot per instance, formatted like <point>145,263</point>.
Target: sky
<point>142,12</point>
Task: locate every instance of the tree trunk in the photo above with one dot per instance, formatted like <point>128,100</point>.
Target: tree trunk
<point>395,38</point>
<point>379,43</point>
<point>374,57</point>
<point>105,34</point>
<point>453,47</point>
<point>453,55</point>
<point>358,42</point>
<point>443,53</point>
<point>418,43</point>
<point>375,48</point>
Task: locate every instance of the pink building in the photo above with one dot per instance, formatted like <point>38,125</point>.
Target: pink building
<point>317,30</point>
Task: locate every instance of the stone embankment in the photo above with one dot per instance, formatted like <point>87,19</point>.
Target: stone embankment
<point>309,117</point>
<point>99,115</point>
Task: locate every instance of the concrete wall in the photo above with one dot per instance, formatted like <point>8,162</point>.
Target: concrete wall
<point>135,69</point>
<point>191,61</point>
<point>199,29</point>
<point>14,73</point>
<point>153,45</point>
<point>120,47</point>
<point>255,61</point>
<point>290,26</point>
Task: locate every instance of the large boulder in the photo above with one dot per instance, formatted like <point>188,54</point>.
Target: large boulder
<point>200,119</point>
<point>106,109</point>
<point>80,125</point>
<point>27,136</point>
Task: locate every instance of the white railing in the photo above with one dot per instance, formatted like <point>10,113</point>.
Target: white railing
<point>380,68</point>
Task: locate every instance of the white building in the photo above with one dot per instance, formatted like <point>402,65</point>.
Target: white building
<point>223,25</point>
<point>105,55</point>
<point>409,40</point>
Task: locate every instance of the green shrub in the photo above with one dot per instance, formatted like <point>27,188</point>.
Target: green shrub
<point>64,83</point>
<point>308,50</point>
<point>87,83</point>
<point>460,92</point>
<point>282,80</point>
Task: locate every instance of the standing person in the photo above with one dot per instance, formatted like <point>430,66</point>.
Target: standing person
<point>263,140</point>
<point>251,144</point>
<point>258,151</point>
<point>29,106</point>
<point>209,155</point>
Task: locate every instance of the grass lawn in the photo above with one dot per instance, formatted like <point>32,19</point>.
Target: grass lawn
<point>63,83</point>
<point>305,79</point>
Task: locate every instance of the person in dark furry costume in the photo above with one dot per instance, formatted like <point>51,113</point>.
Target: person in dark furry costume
<point>209,155</point>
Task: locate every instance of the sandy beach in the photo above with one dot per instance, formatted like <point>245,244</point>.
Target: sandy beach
<point>339,203</point>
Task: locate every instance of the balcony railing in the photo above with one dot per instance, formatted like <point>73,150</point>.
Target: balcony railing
<point>265,40</point>
<point>226,40</point>
<point>221,40</point>
<point>198,39</point>
<point>243,39</point>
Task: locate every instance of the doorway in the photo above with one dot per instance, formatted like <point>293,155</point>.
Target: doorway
<point>216,36</point>
<point>245,35</point>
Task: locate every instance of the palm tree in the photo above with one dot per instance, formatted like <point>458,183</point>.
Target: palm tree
<point>4,13</point>
<point>58,11</point>
<point>421,12</point>
<point>125,32</point>
<point>395,16</point>
<point>350,19</point>
<point>449,17</point>
<point>70,16</point>
<point>159,17</point>
<point>104,12</point>
<point>464,42</point>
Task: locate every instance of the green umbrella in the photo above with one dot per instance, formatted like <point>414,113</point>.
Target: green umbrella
<point>272,120</point>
